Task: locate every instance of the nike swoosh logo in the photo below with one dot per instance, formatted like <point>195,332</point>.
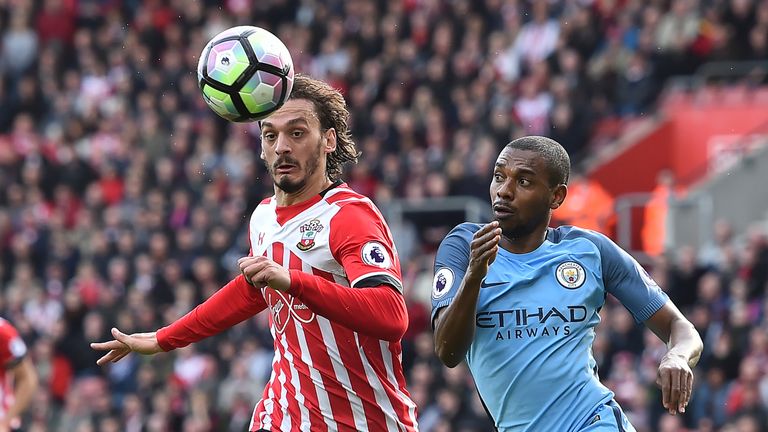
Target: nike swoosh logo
<point>485,284</point>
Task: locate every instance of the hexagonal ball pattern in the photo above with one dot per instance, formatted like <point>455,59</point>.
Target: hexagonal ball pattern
<point>227,61</point>
<point>271,50</point>
<point>262,92</point>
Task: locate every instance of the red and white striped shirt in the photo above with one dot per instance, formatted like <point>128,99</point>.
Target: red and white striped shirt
<point>337,363</point>
<point>12,352</point>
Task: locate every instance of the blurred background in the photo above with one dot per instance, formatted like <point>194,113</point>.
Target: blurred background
<point>124,199</point>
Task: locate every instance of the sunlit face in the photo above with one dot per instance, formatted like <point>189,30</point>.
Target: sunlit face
<point>294,147</point>
<point>521,194</point>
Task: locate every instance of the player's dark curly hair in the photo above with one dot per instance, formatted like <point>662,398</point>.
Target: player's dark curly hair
<point>333,113</point>
<point>557,159</point>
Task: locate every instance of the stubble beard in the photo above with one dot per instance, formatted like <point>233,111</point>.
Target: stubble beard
<point>524,229</point>
<point>286,184</point>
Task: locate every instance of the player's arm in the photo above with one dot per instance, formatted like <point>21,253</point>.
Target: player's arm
<point>378,311</point>
<point>235,302</point>
<point>25,384</point>
<point>638,292</point>
<point>675,376</point>
<point>455,324</point>
<point>360,242</point>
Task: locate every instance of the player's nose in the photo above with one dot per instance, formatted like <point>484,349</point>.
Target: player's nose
<point>505,192</point>
<point>282,144</point>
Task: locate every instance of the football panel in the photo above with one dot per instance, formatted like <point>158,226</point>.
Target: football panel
<point>220,102</point>
<point>262,92</point>
<point>227,61</point>
<point>269,49</point>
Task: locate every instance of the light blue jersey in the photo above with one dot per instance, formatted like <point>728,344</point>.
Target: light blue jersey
<point>531,357</point>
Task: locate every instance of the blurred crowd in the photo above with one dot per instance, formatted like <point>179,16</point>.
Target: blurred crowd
<point>124,199</point>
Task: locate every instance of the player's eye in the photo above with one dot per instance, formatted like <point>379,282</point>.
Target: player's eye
<point>498,177</point>
<point>524,182</point>
<point>297,133</point>
<point>269,136</point>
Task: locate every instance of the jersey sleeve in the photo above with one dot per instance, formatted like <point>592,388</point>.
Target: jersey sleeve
<point>362,243</point>
<point>12,346</point>
<point>451,263</point>
<point>628,281</point>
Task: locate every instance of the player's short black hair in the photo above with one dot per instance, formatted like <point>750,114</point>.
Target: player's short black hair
<point>557,159</point>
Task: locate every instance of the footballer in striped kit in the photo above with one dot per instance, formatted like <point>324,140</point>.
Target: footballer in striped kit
<point>323,264</point>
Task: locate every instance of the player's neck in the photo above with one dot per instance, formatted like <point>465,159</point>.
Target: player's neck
<point>309,191</point>
<point>526,243</point>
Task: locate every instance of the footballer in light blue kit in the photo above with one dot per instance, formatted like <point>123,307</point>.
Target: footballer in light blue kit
<point>520,301</point>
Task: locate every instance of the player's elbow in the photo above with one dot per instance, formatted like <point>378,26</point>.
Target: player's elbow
<point>393,324</point>
<point>447,357</point>
<point>445,351</point>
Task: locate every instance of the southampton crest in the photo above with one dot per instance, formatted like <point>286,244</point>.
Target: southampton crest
<point>308,233</point>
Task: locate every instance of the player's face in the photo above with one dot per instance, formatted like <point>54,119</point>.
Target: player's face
<point>294,147</point>
<point>521,194</point>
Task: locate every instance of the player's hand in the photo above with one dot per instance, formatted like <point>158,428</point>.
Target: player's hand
<point>123,344</point>
<point>260,271</point>
<point>483,249</point>
<point>676,381</point>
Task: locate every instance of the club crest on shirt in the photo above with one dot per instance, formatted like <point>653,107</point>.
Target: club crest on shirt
<point>570,274</point>
<point>308,233</point>
<point>375,254</point>
<point>442,283</point>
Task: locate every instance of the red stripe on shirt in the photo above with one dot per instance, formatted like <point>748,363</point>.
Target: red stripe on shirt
<point>308,388</point>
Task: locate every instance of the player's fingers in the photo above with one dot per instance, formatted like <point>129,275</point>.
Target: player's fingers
<point>486,241</point>
<point>485,229</point>
<point>252,269</point>
<point>107,346</point>
<point>488,252</point>
<point>665,383</point>
<point>485,233</point>
<point>686,391</point>
<point>127,340</point>
<point>106,358</point>
<point>675,387</point>
<point>494,252</point>
<point>242,263</point>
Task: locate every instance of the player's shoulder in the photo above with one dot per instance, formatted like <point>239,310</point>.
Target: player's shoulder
<point>568,233</point>
<point>342,195</point>
<point>267,204</point>
<point>350,204</point>
<point>462,233</point>
<point>465,229</point>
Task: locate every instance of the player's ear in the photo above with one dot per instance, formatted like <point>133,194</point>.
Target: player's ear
<point>558,196</point>
<point>329,140</point>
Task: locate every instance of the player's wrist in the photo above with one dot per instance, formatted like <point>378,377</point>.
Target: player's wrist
<point>473,279</point>
<point>295,282</point>
<point>673,354</point>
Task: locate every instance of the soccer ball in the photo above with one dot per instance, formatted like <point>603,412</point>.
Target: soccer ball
<point>245,73</point>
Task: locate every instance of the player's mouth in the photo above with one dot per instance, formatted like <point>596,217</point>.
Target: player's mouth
<point>285,168</point>
<point>503,211</point>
